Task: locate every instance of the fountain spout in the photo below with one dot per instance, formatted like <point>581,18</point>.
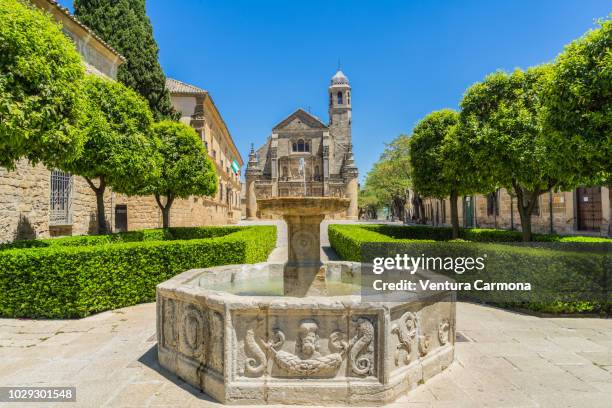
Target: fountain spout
<point>304,273</point>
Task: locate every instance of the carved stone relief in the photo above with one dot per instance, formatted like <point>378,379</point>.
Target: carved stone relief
<point>193,332</point>
<point>444,329</point>
<point>424,344</point>
<point>169,335</point>
<point>215,322</point>
<point>361,355</point>
<point>308,360</point>
<point>257,364</point>
<point>406,331</point>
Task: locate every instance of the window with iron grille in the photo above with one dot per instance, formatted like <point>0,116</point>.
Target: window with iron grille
<point>60,198</point>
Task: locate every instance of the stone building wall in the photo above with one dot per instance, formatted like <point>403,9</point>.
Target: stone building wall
<point>25,196</point>
<point>564,213</point>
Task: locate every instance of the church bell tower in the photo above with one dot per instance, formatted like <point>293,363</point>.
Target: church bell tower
<point>340,108</point>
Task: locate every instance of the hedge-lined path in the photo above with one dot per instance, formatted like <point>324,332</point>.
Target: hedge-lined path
<point>280,254</point>
<point>506,360</point>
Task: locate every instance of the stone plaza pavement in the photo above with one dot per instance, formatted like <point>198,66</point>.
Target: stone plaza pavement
<point>503,359</point>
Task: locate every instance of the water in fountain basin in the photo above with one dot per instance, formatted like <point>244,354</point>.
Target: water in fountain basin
<point>273,286</point>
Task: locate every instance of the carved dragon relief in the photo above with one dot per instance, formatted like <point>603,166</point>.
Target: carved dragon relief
<point>307,361</point>
<point>257,364</point>
<point>409,329</point>
<point>406,331</point>
<point>362,348</point>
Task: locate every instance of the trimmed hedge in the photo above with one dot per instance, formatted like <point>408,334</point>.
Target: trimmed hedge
<point>80,276</point>
<point>130,236</point>
<point>573,280</point>
<point>421,232</point>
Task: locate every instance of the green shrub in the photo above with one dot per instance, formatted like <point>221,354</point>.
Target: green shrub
<point>347,239</point>
<point>413,232</point>
<point>75,280</point>
<point>158,234</point>
<point>565,278</point>
<point>421,232</point>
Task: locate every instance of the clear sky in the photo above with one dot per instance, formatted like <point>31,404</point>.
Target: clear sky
<point>260,60</point>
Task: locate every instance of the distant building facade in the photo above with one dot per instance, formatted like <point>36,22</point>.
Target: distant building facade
<point>37,202</point>
<point>198,110</point>
<point>306,157</point>
<point>586,210</point>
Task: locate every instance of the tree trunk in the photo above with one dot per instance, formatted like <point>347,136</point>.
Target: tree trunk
<point>525,223</point>
<point>165,209</point>
<point>398,204</point>
<point>454,213</point>
<point>165,217</point>
<point>525,209</point>
<point>100,213</point>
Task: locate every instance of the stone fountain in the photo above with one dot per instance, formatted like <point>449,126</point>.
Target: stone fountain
<point>299,332</point>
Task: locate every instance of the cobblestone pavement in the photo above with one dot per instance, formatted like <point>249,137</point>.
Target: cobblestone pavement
<point>503,359</point>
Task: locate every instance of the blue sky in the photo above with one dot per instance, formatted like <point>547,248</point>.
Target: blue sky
<point>261,60</point>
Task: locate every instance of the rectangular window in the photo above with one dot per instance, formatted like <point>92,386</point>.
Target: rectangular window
<point>121,218</point>
<point>60,198</point>
<point>492,204</point>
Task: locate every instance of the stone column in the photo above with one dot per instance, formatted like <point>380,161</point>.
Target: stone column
<point>251,204</point>
<point>303,274</point>
<point>352,192</point>
<point>252,173</point>
<point>351,175</point>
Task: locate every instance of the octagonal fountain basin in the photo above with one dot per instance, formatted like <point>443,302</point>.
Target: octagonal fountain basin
<point>233,332</point>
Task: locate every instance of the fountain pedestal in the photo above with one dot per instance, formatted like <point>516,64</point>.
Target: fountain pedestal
<point>304,273</point>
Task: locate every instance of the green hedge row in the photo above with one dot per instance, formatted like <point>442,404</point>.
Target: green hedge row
<point>469,234</point>
<point>121,237</point>
<point>574,280</point>
<point>75,280</point>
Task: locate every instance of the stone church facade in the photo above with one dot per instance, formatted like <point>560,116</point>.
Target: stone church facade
<point>306,157</point>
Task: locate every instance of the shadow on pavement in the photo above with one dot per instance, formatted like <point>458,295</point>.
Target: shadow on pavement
<point>149,359</point>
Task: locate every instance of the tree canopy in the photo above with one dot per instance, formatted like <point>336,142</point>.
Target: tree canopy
<point>389,179</point>
<point>429,176</point>
<point>436,159</point>
<point>119,151</point>
<point>579,102</point>
<point>125,26</point>
<point>505,131</point>
<point>185,169</point>
<point>40,79</point>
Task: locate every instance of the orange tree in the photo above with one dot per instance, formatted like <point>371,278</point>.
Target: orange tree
<point>185,168</point>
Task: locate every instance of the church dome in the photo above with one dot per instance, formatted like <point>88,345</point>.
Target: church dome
<point>339,79</point>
